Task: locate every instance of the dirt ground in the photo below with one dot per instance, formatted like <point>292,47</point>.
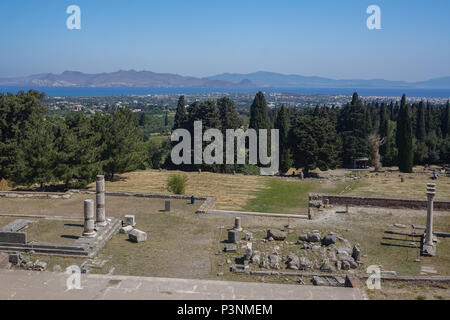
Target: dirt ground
<point>391,290</point>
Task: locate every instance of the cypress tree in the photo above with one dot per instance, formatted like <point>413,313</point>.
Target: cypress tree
<point>352,128</point>
<point>420,126</point>
<point>259,118</point>
<point>180,115</point>
<point>283,124</point>
<point>446,121</point>
<point>228,115</point>
<point>421,147</point>
<point>405,138</point>
<point>385,149</point>
<point>166,119</point>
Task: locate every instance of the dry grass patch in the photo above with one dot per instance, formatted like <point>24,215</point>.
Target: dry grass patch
<point>232,191</point>
<point>414,186</point>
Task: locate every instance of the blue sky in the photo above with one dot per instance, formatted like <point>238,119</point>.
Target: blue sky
<point>204,37</point>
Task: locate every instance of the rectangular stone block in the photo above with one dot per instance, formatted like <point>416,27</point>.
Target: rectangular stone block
<point>234,236</point>
<point>137,236</point>
<point>129,220</point>
<point>14,258</point>
<point>126,229</point>
<point>13,237</point>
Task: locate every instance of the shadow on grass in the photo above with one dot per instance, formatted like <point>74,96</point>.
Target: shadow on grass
<point>404,240</point>
<point>73,225</point>
<point>397,245</point>
<point>65,236</point>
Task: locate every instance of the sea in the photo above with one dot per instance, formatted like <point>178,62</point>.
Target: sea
<point>121,91</point>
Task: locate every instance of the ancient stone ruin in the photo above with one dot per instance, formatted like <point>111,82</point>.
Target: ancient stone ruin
<point>96,232</point>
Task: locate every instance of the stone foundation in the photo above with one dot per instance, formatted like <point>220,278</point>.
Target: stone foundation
<point>363,201</point>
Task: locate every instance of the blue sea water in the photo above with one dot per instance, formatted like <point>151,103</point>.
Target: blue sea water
<point>92,92</point>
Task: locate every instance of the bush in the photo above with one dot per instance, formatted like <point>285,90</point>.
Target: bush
<point>177,183</point>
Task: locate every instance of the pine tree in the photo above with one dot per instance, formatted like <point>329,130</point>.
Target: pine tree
<point>314,143</point>
<point>405,138</point>
<point>16,113</point>
<point>124,149</point>
<point>180,115</point>
<point>35,161</point>
<point>79,150</point>
<point>283,125</point>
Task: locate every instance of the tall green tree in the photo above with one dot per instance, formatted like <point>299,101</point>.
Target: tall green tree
<point>229,120</point>
<point>352,128</point>
<point>124,149</point>
<point>259,118</point>
<point>387,149</point>
<point>36,156</point>
<point>79,150</point>
<point>314,143</point>
<point>446,121</point>
<point>420,150</point>
<point>227,112</point>
<point>17,112</point>
<point>405,138</point>
<point>180,115</point>
<point>283,125</point>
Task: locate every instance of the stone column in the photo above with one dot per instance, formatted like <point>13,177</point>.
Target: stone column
<point>431,191</point>
<point>428,247</point>
<point>100,195</point>
<point>89,231</point>
<point>237,224</point>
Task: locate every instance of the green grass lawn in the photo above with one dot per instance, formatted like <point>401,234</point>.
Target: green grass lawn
<point>289,196</point>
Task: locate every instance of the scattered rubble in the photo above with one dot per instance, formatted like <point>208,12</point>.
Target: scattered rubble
<point>277,235</point>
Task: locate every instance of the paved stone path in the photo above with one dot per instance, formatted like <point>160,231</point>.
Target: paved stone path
<point>20,285</point>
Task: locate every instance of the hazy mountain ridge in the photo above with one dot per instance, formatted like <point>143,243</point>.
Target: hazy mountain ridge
<point>132,78</point>
<point>270,79</point>
<point>120,78</point>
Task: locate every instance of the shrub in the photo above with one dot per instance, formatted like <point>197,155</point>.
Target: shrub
<point>177,183</point>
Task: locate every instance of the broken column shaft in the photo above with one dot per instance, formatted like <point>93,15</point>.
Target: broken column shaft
<point>89,230</point>
<point>100,197</point>
<point>237,224</point>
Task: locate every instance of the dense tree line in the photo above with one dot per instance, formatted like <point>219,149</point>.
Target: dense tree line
<point>38,148</point>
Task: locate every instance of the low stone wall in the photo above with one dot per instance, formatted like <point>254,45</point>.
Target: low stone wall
<point>13,237</point>
<point>35,195</point>
<point>363,201</point>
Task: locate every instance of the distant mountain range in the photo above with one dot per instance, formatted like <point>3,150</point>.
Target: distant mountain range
<point>132,78</point>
